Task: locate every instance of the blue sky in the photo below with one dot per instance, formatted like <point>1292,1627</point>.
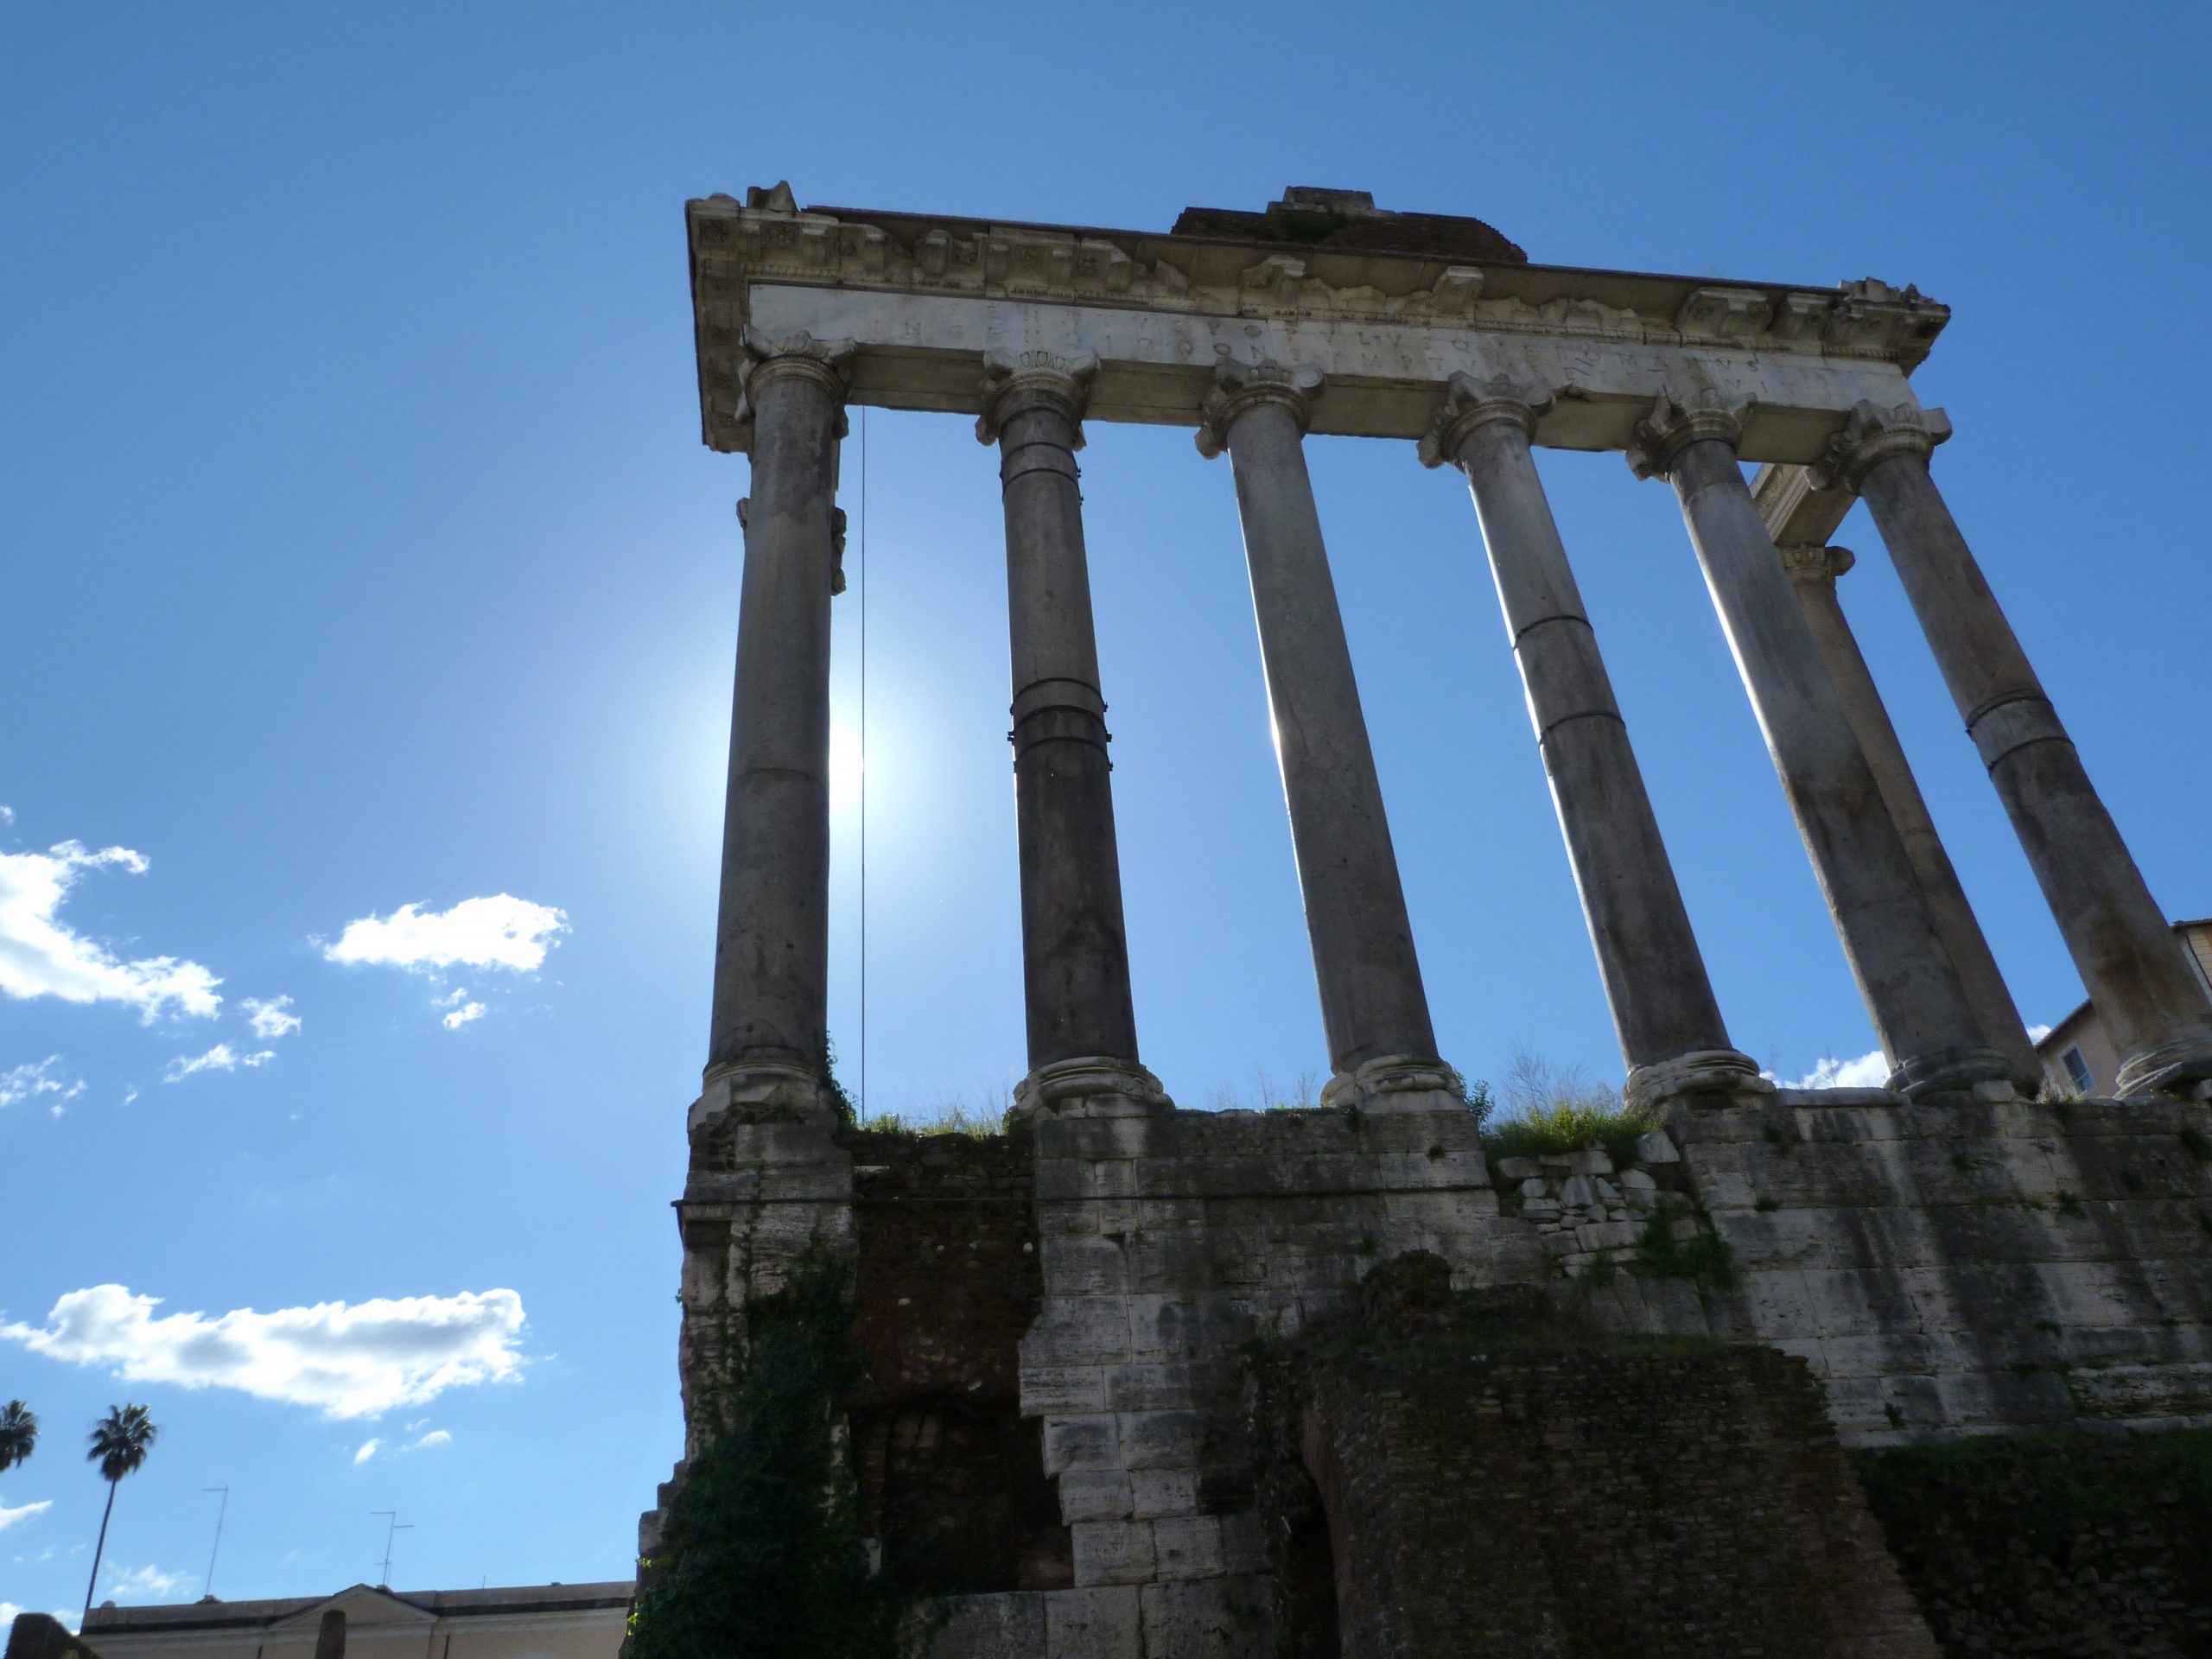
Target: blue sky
<point>360,553</point>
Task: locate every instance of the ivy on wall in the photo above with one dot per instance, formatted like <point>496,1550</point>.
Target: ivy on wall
<point>762,1553</point>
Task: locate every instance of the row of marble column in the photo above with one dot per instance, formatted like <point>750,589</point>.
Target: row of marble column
<point>1937,1002</point>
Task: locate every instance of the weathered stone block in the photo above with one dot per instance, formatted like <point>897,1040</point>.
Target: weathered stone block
<point>1075,1331</point>
<point>1082,1443</point>
<point>1188,1547</point>
<point>1063,1390</point>
<point>1011,1626</point>
<point>1208,1619</point>
<point>1093,1623</point>
<point>1171,1384</point>
<point>1158,1492</point>
<point>1076,1265</point>
<point>1113,1552</point>
<point>1095,1494</point>
<point>1164,1440</point>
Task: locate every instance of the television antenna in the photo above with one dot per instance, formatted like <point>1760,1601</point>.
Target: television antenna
<point>207,1584</point>
<point>391,1532</point>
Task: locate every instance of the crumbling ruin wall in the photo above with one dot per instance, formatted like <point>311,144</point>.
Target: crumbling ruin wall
<point>1955,1268</point>
<point>1054,1442</point>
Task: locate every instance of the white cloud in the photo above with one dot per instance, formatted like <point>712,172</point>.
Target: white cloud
<point>1867,1071</point>
<point>22,1512</point>
<point>221,1058</point>
<point>381,1448</point>
<point>457,995</point>
<point>347,1361</point>
<point>2037,1034</point>
<point>130,1094</point>
<point>9,1612</point>
<point>6,815</point>
<point>501,932</point>
<point>145,1581</point>
<point>268,1019</point>
<point>35,1081</point>
<point>42,955</point>
<point>461,1016</point>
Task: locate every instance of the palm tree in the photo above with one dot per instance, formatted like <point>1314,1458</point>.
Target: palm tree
<point>120,1442</point>
<point>18,1434</point>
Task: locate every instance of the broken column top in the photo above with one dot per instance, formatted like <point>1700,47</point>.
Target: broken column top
<point>1313,216</point>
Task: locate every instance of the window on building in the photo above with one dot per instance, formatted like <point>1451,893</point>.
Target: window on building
<point>2076,1068</point>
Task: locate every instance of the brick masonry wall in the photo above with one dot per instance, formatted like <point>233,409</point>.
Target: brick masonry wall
<point>1581,1503</point>
<point>952,1483</point>
<point>2074,1545</point>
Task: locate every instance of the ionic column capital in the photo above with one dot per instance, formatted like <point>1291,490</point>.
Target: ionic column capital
<point>1812,561</point>
<point>764,356</point>
<point>1241,387</point>
<point>1678,420</point>
<point>1469,402</point>
<point>1872,435</point>
<point>1009,375</point>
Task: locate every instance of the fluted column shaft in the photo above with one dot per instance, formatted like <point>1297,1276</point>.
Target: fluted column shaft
<point>1074,950</point>
<point>2156,1014</point>
<point>1373,1007</point>
<point>771,937</point>
<point>1920,1011</point>
<point>1813,569</point>
<point>1669,1024</point>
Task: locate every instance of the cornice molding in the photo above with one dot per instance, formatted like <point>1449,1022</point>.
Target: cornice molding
<point>1241,387</point>
<point>1872,435</point>
<point>1469,402</point>
<point>1009,374</point>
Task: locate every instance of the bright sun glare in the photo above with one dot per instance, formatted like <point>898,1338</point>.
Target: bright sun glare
<point>844,766</point>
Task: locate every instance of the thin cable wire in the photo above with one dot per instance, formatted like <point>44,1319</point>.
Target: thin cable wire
<point>863,575</point>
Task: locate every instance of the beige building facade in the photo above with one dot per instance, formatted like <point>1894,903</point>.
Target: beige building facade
<point>542,1621</point>
<point>2078,1054</point>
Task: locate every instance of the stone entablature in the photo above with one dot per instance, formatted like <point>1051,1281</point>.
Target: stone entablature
<point>924,297</point>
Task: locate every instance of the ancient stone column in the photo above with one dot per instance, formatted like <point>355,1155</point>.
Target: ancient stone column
<point>1374,1011</point>
<point>771,939</point>
<point>1814,568</point>
<point>2132,965</point>
<point>1083,1036</point>
<point>1669,1024</point>
<point>1920,1011</point>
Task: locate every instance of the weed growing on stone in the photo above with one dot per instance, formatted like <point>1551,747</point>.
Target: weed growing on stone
<point>1705,1259</point>
<point>1555,1108</point>
<point>848,1114</point>
<point>954,1118</point>
<point>2068,1205</point>
<point>1570,1126</point>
